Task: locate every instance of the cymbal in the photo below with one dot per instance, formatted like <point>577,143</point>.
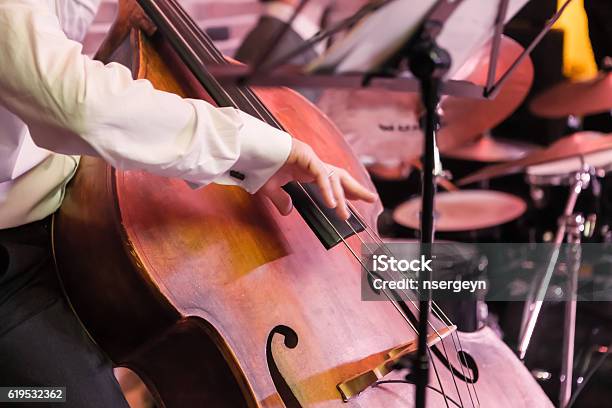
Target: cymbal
<point>465,119</point>
<point>395,171</point>
<point>383,125</point>
<point>454,211</point>
<point>490,149</point>
<point>578,144</point>
<point>575,98</point>
<point>402,170</point>
<point>380,126</point>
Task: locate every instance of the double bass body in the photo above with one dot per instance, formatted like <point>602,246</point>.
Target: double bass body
<point>216,300</point>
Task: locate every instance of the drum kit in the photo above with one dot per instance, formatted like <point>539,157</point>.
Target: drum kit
<point>387,138</point>
<point>565,187</point>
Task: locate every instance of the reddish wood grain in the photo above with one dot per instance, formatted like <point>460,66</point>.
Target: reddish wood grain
<point>184,286</point>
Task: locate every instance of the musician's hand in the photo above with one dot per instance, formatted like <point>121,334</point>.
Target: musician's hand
<point>303,165</point>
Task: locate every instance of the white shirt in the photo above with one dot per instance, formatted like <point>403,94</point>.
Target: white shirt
<point>73,105</point>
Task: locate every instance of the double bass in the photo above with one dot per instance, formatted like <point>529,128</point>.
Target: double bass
<point>216,300</point>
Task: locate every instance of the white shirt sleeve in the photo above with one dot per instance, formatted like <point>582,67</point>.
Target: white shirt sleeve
<point>75,105</point>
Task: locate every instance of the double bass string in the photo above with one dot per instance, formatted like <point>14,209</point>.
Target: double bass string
<point>257,107</point>
<point>352,251</point>
<point>374,236</point>
<point>405,291</point>
<point>436,309</point>
<point>395,304</point>
<point>381,382</point>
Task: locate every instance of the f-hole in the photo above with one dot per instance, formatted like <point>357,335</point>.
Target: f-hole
<point>465,359</point>
<point>290,340</point>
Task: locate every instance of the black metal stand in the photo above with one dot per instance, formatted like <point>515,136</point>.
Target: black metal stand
<point>575,226</point>
<point>428,63</point>
<point>571,225</point>
<point>533,305</point>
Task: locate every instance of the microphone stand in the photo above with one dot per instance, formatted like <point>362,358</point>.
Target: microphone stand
<point>428,63</point>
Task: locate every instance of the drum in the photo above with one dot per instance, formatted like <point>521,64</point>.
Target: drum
<point>549,188</point>
<point>468,216</point>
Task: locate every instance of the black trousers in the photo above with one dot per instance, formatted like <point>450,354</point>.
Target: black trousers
<point>41,340</point>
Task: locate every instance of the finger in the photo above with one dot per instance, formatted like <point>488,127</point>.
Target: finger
<point>354,190</point>
<point>341,208</point>
<point>281,200</point>
<point>321,174</point>
<point>308,162</point>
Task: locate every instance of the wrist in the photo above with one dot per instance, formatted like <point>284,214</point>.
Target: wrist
<point>264,149</point>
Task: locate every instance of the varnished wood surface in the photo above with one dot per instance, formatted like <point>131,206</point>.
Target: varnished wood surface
<point>185,286</point>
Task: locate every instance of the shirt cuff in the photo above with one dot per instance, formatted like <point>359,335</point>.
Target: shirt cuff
<point>263,150</point>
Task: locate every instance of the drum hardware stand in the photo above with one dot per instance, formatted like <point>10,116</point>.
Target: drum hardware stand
<point>604,351</point>
<point>571,225</point>
<point>575,227</point>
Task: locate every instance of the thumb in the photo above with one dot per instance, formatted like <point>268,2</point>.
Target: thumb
<point>281,200</point>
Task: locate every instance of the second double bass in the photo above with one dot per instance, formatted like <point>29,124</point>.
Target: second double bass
<point>215,300</point>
